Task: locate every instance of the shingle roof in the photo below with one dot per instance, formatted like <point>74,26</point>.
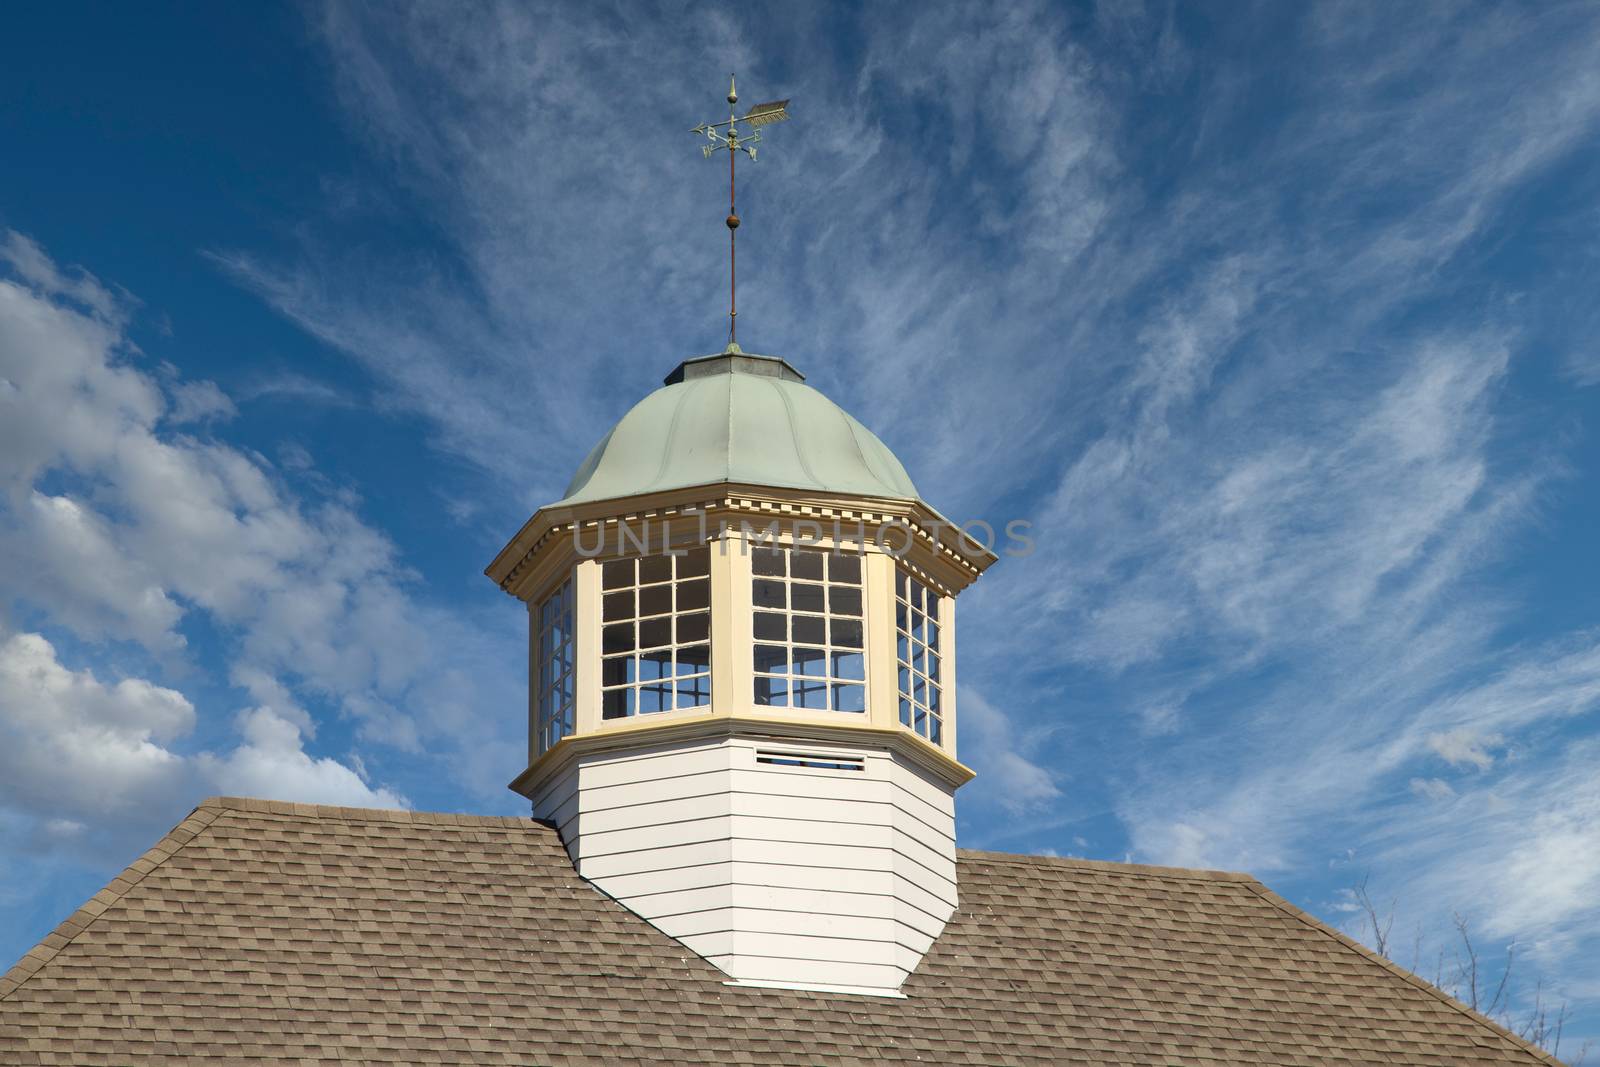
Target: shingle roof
<point>260,932</point>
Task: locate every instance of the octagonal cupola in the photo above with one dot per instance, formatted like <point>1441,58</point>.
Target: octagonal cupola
<point>742,703</point>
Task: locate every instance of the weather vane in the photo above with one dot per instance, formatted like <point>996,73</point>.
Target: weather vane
<point>733,142</point>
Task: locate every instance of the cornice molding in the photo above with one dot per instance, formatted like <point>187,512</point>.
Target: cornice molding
<point>569,749</point>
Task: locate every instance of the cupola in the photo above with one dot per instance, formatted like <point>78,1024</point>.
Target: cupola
<point>742,689</point>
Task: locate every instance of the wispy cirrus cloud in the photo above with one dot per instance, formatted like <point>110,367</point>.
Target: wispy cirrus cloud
<point>1240,314</point>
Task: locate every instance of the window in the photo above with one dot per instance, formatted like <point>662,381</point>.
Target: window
<point>917,647</point>
<point>655,642</point>
<point>808,633</point>
<point>555,666</point>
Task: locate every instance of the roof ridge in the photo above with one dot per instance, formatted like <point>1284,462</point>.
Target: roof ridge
<point>335,811</point>
<point>1389,965</point>
<point>192,826</point>
<point>1147,870</point>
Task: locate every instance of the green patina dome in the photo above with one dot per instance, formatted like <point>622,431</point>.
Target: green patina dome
<point>735,417</point>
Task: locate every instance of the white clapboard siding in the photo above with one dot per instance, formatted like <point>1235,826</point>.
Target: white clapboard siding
<point>827,929</point>
<point>812,972</point>
<point>811,875</point>
<point>598,868</point>
<point>790,876</point>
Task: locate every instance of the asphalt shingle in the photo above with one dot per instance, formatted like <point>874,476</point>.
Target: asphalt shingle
<point>264,932</point>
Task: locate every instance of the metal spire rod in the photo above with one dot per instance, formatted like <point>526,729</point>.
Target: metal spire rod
<point>734,143</point>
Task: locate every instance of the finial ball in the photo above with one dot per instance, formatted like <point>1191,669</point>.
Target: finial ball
<point>733,222</point>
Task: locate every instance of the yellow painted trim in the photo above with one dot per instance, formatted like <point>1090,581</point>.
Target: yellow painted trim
<point>704,727</point>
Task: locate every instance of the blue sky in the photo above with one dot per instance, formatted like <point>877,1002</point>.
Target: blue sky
<point>1277,322</point>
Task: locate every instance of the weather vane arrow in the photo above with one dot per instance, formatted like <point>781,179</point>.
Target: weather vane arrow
<point>725,136</point>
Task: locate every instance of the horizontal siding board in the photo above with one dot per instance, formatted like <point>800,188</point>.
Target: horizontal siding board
<point>755,920</point>
<point>791,876</point>
<point>620,769</point>
<point>814,901</point>
<point>784,782</point>
<point>680,902</point>
<point>923,813</point>
<point>555,793</point>
<point>650,838</point>
<point>924,789</point>
<point>913,829</point>
<point>802,855</point>
<point>668,880</point>
<point>808,947</point>
<point>770,805</point>
<point>782,969</point>
<point>920,877</point>
<point>930,923</point>
<point>697,854</point>
<point>654,790</point>
<point>810,831</point>
<point>661,813</point>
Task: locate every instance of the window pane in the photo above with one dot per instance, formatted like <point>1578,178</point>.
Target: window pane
<point>616,670</point>
<point>900,616</point>
<point>653,632</point>
<point>768,594</point>
<point>849,665</point>
<point>653,665</point>
<point>617,704</point>
<point>811,661</point>
<point>695,627</point>
<point>655,569</point>
<point>767,561</point>
<point>808,694</point>
<point>849,698</point>
<point>618,606</point>
<point>618,574</point>
<point>655,600</point>
<point>773,659</point>
<point>905,681</point>
<point>935,731</point>
<point>899,583</point>
<point>696,659</point>
<point>655,698</point>
<point>805,597</point>
<point>807,565</point>
<point>902,648</point>
<point>695,562</point>
<point>905,711</point>
<point>694,692</point>
<point>809,631</point>
<point>618,638</point>
<point>844,568</point>
<point>694,595</point>
<point>916,625</point>
<point>773,692</point>
<point>933,628</point>
<point>843,600</point>
<point>933,667</point>
<point>770,626</point>
<point>847,633</point>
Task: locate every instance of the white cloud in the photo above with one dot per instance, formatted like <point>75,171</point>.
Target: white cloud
<point>1432,788</point>
<point>989,740</point>
<point>200,401</point>
<point>1461,748</point>
<point>272,764</point>
<point>155,525</point>
<point>83,756</point>
<point>75,747</point>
